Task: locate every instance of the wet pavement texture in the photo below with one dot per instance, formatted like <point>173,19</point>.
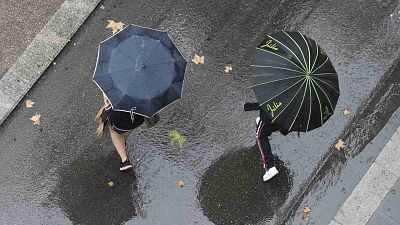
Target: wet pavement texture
<point>64,165</point>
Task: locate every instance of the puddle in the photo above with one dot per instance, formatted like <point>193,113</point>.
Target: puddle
<point>231,191</point>
<point>86,196</point>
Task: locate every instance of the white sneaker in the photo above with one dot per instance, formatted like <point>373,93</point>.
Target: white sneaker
<point>270,173</point>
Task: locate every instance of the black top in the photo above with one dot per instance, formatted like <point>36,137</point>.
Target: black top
<point>264,117</point>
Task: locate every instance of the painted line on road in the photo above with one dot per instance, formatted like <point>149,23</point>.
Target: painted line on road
<point>373,187</point>
<point>28,68</point>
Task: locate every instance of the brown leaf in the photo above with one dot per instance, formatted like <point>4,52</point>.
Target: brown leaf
<point>29,103</point>
<point>114,26</point>
<point>306,209</point>
<point>110,184</point>
<point>346,112</point>
<point>306,216</point>
<point>228,69</point>
<point>36,119</point>
<point>198,59</point>
<point>181,183</point>
<point>340,144</point>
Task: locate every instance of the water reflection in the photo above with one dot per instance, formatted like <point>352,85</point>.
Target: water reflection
<point>86,196</point>
<point>232,191</point>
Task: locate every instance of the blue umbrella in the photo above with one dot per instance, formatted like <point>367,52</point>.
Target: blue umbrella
<point>140,70</point>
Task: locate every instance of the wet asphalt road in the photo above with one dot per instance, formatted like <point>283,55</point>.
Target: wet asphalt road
<point>66,172</point>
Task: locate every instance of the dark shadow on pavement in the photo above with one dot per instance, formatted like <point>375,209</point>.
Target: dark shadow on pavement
<point>86,196</point>
<point>232,191</point>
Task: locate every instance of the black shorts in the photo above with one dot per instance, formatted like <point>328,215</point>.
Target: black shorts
<point>121,122</point>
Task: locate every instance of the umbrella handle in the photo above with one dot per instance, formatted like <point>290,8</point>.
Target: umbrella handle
<point>132,113</point>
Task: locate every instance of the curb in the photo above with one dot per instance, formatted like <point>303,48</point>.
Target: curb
<point>373,187</point>
<point>47,44</point>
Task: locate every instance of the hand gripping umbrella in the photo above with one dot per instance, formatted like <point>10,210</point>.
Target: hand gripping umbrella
<point>140,70</point>
<point>295,81</point>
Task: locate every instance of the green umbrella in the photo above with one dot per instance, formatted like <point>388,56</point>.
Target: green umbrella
<point>294,80</point>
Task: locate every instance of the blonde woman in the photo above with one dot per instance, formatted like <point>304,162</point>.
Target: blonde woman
<point>120,126</point>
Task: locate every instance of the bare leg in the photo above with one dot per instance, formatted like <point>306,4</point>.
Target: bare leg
<point>119,141</point>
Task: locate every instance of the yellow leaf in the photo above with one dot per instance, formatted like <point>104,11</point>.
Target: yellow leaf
<point>36,119</point>
<point>306,209</point>
<point>110,184</point>
<point>102,7</point>
<point>177,138</point>
<point>340,144</point>
<point>114,26</point>
<point>346,112</point>
<point>198,59</point>
<point>29,103</point>
<point>228,69</point>
<point>181,183</point>
<point>306,216</point>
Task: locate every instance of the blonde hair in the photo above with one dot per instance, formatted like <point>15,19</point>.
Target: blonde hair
<point>101,121</point>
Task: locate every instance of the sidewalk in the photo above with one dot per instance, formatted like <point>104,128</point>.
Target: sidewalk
<point>375,199</point>
<point>21,21</point>
<point>42,50</point>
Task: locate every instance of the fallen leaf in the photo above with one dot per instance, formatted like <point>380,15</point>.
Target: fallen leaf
<point>36,119</point>
<point>29,103</point>
<point>306,209</point>
<point>346,112</point>
<point>114,26</point>
<point>102,7</point>
<point>177,138</point>
<point>340,144</point>
<point>110,184</point>
<point>228,69</point>
<point>181,183</point>
<point>198,59</point>
<point>306,216</point>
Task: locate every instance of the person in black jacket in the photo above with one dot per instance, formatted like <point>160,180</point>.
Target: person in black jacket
<point>265,127</point>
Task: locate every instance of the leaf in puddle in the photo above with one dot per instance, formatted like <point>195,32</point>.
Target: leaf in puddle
<point>181,183</point>
<point>228,69</point>
<point>198,59</point>
<point>29,103</point>
<point>36,119</point>
<point>177,138</point>
<point>114,26</point>
<point>340,144</point>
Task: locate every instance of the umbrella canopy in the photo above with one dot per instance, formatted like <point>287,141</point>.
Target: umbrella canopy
<point>295,81</point>
<point>140,70</point>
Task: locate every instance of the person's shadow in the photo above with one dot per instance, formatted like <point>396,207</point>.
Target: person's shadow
<point>232,191</point>
<point>95,192</point>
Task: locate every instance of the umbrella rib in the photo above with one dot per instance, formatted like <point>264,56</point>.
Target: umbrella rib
<point>316,56</point>
<point>301,51</point>
<point>290,100</point>
<point>290,51</point>
<point>283,58</point>
<point>330,103</point>
<point>323,74</point>
<point>301,105</point>
<point>272,81</point>
<point>309,53</point>
<point>319,102</point>
<point>276,67</point>
<point>309,115</point>
<point>321,64</point>
<point>327,84</point>
<point>281,92</point>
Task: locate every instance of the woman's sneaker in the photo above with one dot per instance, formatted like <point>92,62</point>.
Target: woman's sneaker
<point>125,165</point>
<point>270,173</point>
